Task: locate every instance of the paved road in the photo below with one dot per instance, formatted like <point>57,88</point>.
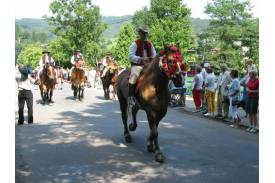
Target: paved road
<point>74,141</point>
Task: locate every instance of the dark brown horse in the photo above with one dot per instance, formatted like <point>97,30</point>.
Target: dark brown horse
<point>78,82</point>
<point>109,79</point>
<point>152,96</point>
<point>47,82</point>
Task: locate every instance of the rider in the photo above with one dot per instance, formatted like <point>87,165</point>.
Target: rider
<point>140,52</point>
<point>45,59</point>
<point>75,58</point>
<point>106,61</point>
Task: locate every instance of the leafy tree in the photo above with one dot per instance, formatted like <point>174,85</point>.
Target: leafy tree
<point>30,55</point>
<point>60,51</point>
<point>231,20</point>
<point>79,23</point>
<point>120,50</point>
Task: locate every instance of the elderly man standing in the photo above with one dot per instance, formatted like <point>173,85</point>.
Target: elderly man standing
<point>141,51</point>
<point>223,100</point>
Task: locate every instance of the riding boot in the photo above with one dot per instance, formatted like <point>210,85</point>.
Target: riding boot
<point>131,97</point>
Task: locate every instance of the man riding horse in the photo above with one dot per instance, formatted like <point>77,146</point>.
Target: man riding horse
<point>141,52</point>
<point>78,74</point>
<point>106,61</point>
<point>45,60</point>
<point>75,58</point>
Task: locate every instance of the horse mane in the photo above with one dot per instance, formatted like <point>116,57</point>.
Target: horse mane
<point>153,73</point>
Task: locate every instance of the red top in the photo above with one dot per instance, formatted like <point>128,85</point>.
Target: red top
<point>253,84</point>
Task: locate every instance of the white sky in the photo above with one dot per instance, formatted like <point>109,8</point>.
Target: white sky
<point>38,8</point>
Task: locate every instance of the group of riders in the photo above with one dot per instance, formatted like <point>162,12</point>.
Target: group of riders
<point>141,53</point>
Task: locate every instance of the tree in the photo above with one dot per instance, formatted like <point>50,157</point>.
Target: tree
<point>120,50</point>
<point>231,20</point>
<point>78,22</point>
<point>60,51</point>
<point>30,55</point>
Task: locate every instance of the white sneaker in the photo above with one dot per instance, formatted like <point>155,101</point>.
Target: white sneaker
<point>248,129</point>
<point>207,114</point>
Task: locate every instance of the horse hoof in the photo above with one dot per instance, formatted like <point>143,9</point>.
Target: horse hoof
<point>159,157</point>
<point>150,148</point>
<point>128,139</point>
<point>132,126</point>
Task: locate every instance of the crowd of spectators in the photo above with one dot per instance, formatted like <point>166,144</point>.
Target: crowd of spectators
<point>221,96</point>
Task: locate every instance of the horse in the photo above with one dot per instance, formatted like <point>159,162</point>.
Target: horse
<point>109,79</point>
<point>78,80</point>
<point>48,81</point>
<point>152,95</point>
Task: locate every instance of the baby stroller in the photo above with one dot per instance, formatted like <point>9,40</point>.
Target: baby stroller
<point>176,95</point>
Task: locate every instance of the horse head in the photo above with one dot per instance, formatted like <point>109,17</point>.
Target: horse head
<point>50,71</point>
<point>171,64</point>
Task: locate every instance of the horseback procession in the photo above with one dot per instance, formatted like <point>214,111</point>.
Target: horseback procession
<point>143,86</point>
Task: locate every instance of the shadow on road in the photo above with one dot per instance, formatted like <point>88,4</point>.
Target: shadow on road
<point>88,146</point>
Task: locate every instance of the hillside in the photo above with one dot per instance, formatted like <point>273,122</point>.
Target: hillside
<point>113,22</point>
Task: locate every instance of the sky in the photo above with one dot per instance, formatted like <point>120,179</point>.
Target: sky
<point>38,8</point>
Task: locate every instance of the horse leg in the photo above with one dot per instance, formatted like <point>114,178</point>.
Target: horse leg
<point>51,94</point>
<point>75,91</point>
<point>82,92</point>
<point>153,145</point>
<point>133,124</point>
<point>47,94</point>
<point>79,90</point>
<point>108,92</point>
<point>124,116</point>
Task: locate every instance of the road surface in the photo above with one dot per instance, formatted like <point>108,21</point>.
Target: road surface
<point>72,141</point>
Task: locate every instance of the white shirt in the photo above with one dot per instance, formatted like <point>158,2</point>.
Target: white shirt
<point>223,76</point>
<point>132,53</point>
<point>47,60</point>
<point>72,58</point>
<point>25,84</point>
<point>200,82</point>
<point>203,74</point>
<point>210,82</point>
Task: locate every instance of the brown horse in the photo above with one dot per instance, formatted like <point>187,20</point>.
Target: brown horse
<point>109,79</point>
<point>78,81</point>
<point>152,96</point>
<point>47,82</point>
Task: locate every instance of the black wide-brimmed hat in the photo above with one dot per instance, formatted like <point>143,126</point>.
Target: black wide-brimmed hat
<point>45,51</point>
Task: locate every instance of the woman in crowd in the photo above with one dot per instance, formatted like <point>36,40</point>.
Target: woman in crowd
<point>197,88</point>
<point>252,87</point>
<point>234,97</point>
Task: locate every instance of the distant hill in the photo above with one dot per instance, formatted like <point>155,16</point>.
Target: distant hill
<point>113,22</point>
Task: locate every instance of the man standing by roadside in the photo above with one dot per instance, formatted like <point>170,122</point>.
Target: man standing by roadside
<point>204,75</point>
<point>223,100</point>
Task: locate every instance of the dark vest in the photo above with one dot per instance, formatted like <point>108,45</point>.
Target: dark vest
<point>143,45</point>
<point>77,57</point>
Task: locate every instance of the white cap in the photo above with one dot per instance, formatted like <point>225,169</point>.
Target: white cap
<point>206,65</point>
